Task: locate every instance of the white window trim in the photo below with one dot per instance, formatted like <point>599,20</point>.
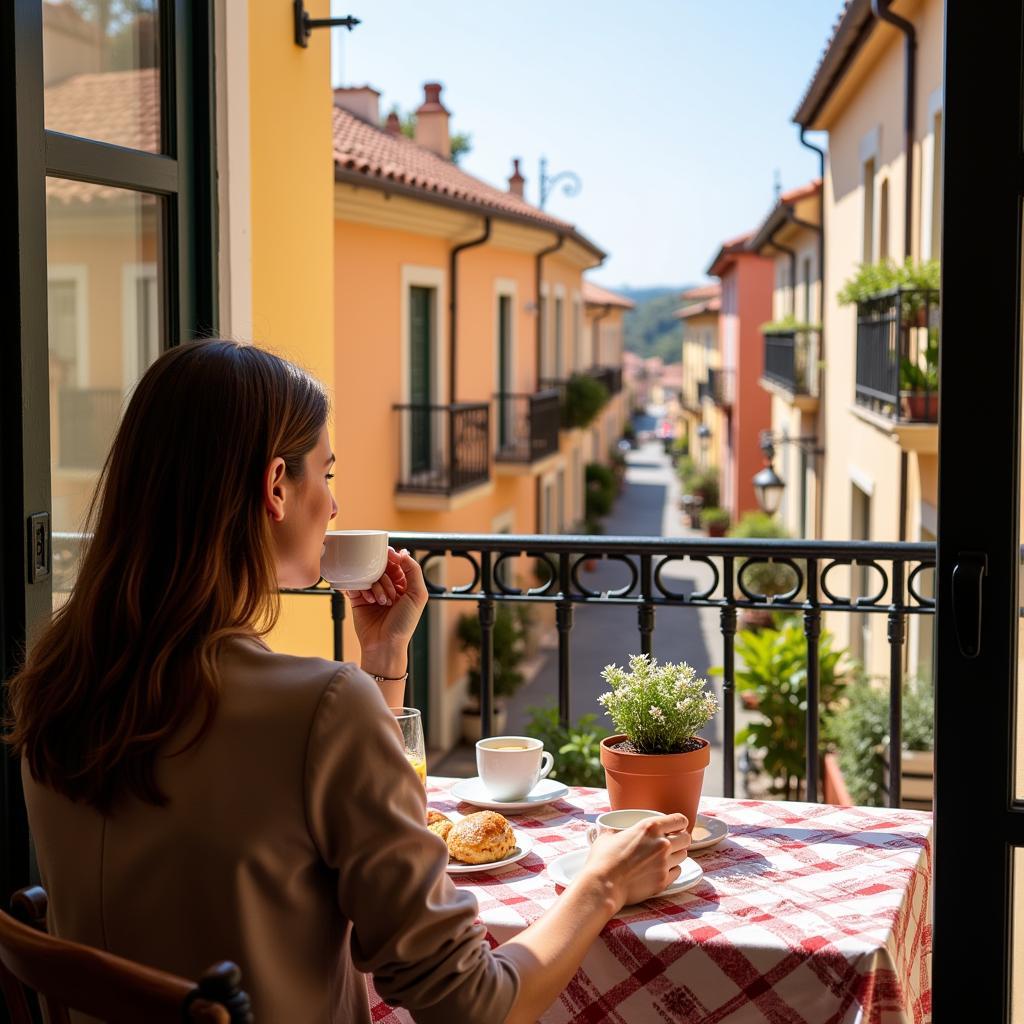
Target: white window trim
<point>928,144</point>
<point>131,274</point>
<point>578,329</point>
<point>423,277</point>
<point>78,273</point>
<point>862,480</point>
<point>231,34</point>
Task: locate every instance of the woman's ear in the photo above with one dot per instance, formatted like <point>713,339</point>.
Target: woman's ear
<point>274,490</point>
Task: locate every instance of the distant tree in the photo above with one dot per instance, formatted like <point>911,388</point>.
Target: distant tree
<point>461,142</point>
<point>650,329</point>
<point>127,30</point>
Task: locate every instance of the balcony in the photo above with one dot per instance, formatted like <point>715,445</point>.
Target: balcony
<point>899,580</point>
<point>444,453</point>
<point>718,387</point>
<point>609,376</point>
<point>527,427</point>
<point>577,411</point>
<point>897,363</point>
<point>790,357</point>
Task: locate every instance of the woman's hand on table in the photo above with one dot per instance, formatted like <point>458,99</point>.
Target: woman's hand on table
<point>639,862</point>
<point>386,615</point>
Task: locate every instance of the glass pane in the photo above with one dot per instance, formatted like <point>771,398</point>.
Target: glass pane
<point>103,304</point>
<point>100,70</point>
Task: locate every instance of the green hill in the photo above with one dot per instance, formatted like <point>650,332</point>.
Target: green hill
<point>650,329</point>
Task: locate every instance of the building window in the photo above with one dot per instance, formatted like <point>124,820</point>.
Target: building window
<point>883,220</point>
<point>869,211</point>
<point>807,289</point>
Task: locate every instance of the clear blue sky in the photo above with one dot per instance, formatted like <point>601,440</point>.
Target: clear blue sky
<point>675,114</point>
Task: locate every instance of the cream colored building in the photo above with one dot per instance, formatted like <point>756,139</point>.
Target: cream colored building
<point>791,235</point>
<point>601,348</point>
<point>699,318</point>
<point>880,202</point>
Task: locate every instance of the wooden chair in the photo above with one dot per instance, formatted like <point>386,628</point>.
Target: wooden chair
<point>37,968</point>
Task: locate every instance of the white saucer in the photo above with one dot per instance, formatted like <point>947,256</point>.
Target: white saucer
<point>707,832</point>
<point>565,868</point>
<point>524,844</point>
<point>472,791</point>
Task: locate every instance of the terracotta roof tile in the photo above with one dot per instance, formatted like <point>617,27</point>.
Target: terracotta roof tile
<point>119,107</point>
<point>366,150</point>
<point>698,308</point>
<point>703,291</point>
<point>595,295</point>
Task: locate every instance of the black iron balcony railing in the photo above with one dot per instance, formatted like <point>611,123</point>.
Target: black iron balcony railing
<point>609,376</point>
<point>789,358</point>
<point>718,387</point>
<point>527,425</point>
<point>898,354</point>
<point>443,449</point>
<point>87,419</point>
<point>899,576</point>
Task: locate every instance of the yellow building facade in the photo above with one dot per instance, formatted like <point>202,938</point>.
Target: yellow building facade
<point>702,421</point>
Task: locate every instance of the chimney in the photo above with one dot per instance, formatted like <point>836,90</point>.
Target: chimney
<point>393,126</point>
<point>516,182</point>
<point>361,100</point>
<point>432,122</point>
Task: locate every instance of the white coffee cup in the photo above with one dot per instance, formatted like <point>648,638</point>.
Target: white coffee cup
<point>616,821</point>
<point>354,559</point>
<point>510,766</point>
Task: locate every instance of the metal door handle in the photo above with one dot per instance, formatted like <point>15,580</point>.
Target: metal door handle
<point>968,573</point>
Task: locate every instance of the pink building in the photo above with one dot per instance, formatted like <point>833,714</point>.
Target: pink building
<point>747,283</point>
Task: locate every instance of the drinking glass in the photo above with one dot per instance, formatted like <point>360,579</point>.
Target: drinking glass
<point>411,723</point>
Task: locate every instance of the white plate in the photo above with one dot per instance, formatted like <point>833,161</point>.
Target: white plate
<point>472,791</point>
<point>565,868</point>
<point>524,844</point>
<point>707,832</point>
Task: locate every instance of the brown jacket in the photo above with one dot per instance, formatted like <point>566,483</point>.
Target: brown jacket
<point>294,844</point>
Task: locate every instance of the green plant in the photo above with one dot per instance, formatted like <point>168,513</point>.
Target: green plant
<point>914,376</point>
<point>714,516</point>
<point>658,706</point>
<point>578,747</point>
<point>510,626</point>
<point>704,485</point>
<point>584,398</point>
<point>764,577</point>
<point>871,279</point>
<point>594,526</point>
<point>860,733</point>
<point>788,323</point>
<point>775,672</point>
<point>601,490</point>
<point>685,470</point>
<point>629,431</point>
<point>681,447</point>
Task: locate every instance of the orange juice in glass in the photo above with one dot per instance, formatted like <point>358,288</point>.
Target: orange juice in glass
<point>411,724</point>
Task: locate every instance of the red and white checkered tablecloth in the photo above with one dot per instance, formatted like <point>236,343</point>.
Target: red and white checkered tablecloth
<point>806,914</point>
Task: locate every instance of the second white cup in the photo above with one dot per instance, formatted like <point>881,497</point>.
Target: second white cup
<point>510,766</point>
<point>616,821</point>
<point>354,559</point>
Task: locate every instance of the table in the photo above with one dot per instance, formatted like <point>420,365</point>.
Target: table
<point>807,914</point>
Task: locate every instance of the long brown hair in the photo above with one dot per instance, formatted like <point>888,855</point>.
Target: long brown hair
<point>180,560</point>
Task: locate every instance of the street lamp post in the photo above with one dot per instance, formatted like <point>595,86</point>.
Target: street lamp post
<point>571,187</point>
<point>768,485</point>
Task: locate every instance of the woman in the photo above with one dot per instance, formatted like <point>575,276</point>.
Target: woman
<point>194,796</point>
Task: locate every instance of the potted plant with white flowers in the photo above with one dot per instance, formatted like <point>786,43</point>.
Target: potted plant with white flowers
<point>655,760</point>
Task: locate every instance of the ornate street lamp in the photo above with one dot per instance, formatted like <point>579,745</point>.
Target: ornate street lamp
<point>571,187</point>
<point>768,485</point>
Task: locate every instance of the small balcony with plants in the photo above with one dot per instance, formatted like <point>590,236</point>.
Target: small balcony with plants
<point>897,365</point>
<point>718,387</point>
<point>526,429</point>
<point>444,453</point>
<point>791,360</point>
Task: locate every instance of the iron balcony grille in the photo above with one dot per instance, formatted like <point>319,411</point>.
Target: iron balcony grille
<point>789,360</point>
<point>897,354</point>
<point>609,376</point>
<point>897,581</point>
<point>444,449</point>
<point>718,387</point>
<point>527,425</point>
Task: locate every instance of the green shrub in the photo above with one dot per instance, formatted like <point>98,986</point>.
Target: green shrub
<point>601,490</point>
<point>763,577</point>
<point>775,672</point>
<point>576,749</point>
<point>788,323</point>
<point>685,470</point>
<point>510,625</point>
<point>871,279</point>
<point>629,431</point>
<point>704,485</point>
<point>714,516</point>
<point>860,732</point>
<point>584,398</point>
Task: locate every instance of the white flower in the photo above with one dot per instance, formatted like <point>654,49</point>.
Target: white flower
<point>656,713</point>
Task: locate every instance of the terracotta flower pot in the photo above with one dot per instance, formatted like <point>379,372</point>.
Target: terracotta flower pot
<point>656,782</point>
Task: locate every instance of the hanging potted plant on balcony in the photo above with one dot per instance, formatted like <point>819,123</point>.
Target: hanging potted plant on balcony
<point>655,759</point>
<point>510,629</point>
<point>919,385</point>
<point>768,579</point>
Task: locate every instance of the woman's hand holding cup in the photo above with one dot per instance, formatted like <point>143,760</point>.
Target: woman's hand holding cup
<point>386,614</point>
<point>638,860</point>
